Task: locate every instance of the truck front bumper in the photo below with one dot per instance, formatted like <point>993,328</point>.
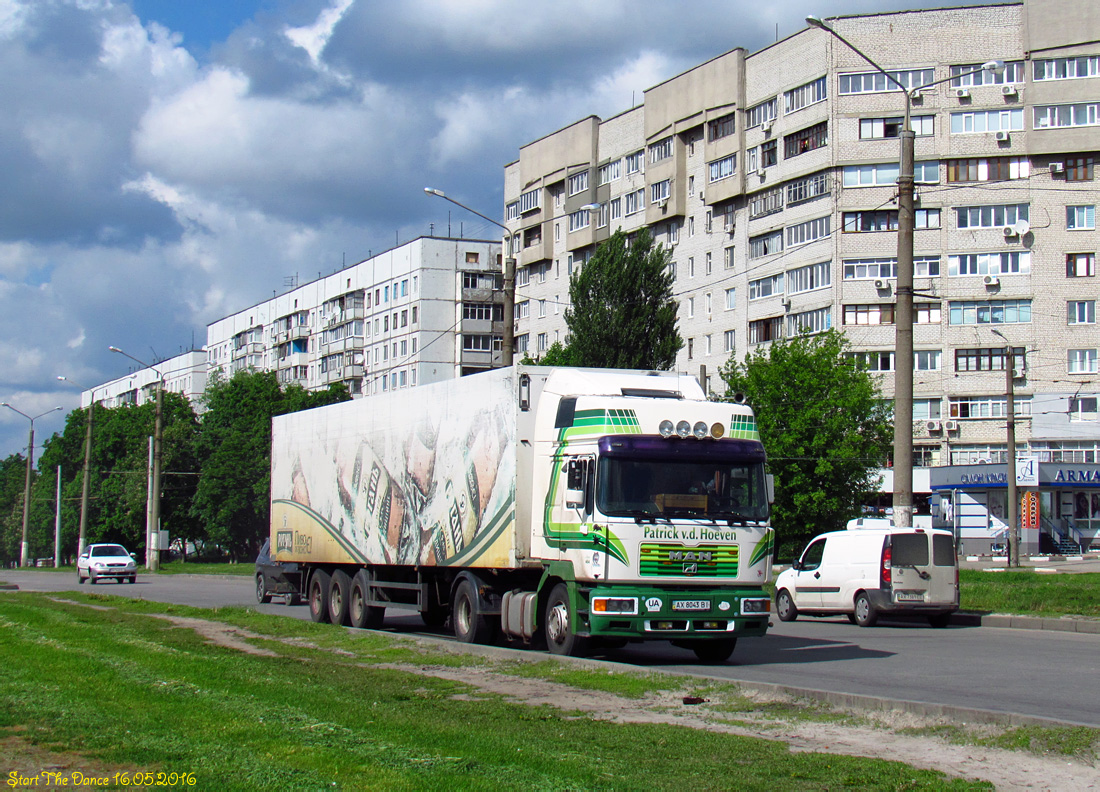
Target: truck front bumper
<point>677,612</point>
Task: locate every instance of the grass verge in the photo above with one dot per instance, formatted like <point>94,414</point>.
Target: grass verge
<point>124,690</point>
<point>1028,593</point>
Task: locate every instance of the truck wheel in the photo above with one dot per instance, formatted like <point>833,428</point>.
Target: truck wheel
<point>785,607</point>
<point>339,596</point>
<point>363,616</point>
<point>318,596</point>
<point>560,636</point>
<point>261,591</point>
<point>866,615</point>
<point>293,599</point>
<point>434,618</point>
<point>714,651</point>
<point>470,624</point>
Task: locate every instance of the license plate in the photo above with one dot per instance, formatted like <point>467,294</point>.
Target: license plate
<point>909,596</point>
<point>690,605</point>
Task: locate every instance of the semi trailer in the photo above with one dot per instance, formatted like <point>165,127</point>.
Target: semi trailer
<point>567,508</point>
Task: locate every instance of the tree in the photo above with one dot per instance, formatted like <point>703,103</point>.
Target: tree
<point>12,473</point>
<point>623,314</point>
<point>824,425</point>
<point>233,497</point>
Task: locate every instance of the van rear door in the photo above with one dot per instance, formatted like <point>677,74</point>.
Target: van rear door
<point>912,573</point>
<point>944,586</point>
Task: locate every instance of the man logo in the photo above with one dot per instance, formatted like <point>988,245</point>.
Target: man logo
<point>691,569</point>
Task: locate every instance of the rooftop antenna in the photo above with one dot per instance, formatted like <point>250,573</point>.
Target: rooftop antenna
<point>431,229</point>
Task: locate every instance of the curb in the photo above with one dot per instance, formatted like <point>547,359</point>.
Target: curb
<point>1015,622</point>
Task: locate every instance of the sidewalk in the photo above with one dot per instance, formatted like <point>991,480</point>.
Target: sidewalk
<point>1087,562</point>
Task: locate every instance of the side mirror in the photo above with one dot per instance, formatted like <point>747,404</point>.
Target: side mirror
<point>574,484</point>
<point>796,565</point>
<point>133,556</point>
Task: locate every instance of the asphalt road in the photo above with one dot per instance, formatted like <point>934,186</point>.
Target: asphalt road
<point>1032,672</point>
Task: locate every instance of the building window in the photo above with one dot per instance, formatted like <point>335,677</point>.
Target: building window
<point>1079,169</point>
<point>477,343</point>
<point>991,216</point>
<point>926,360</point>
<point>1080,218</point>
<point>881,128</point>
<point>876,82</point>
<point>635,162</point>
<point>1013,73</point>
<point>609,172</point>
<point>761,113</point>
<point>766,244</point>
<point>579,220</point>
<point>542,339</point>
<point>805,95</point>
<point>863,222</point>
<point>986,406</point>
<point>808,139</point>
<point>1013,263</point>
<point>616,208</point>
<point>1081,312</point>
<point>873,361</point>
<point>719,128</point>
<point>989,312</point>
<point>766,287</point>
<point>660,191</point>
<point>769,153</point>
<point>1067,115</point>
<point>988,359</point>
<point>809,322</point>
<point>987,121</point>
<point>1083,408</point>
<point>728,257</point>
<point>924,409</point>
<point>765,203</point>
<point>1082,361</point>
<point>810,231</point>
<point>1080,265</point>
<point>876,175</point>
<point>731,300</point>
<point>870,269</point>
<point>661,150</point>
<point>763,330</point>
<point>1066,68</point>
<point>634,201</point>
<point>723,168</point>
<point>988,169</point>
<point>808,278</point>
<point>578,182</point>
<point>690,307</point>
<point>807,188</point>
<point>728,341</point>
<point>869,314</point>
<point>529,201</point>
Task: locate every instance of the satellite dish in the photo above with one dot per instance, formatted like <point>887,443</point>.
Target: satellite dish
<point>1022,227</point>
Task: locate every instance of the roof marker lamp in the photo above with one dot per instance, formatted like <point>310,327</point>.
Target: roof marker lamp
<point>666,428</point>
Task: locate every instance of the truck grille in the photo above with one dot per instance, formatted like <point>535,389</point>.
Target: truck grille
<point>673,560</point>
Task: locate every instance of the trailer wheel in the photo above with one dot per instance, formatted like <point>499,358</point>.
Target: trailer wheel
<point>318,596</point>
<point>560,636</point>
<point>339,595</point>
<point>714,651</point>
<point>470,624</point>
<point>363,616</point>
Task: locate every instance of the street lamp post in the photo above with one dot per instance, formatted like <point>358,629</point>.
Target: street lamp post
<point>24,547</point>
<point>1013,495</point>
<point>508,342</point>
<point>152,522</point>
<point>903,313</point>
<point>87,469</point>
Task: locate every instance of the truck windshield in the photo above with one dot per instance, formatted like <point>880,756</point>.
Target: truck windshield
<point>719,490</point>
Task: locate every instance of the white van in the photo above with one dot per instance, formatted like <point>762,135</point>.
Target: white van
<point>870,569</point>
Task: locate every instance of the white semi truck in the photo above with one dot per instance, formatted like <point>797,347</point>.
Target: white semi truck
<point>568,508</point>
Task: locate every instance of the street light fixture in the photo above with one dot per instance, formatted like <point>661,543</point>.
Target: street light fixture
<point>152,521</point>
<point>903,313</point>
<point>24,547</point>
<point>508,341</point>
<point>87,467</point>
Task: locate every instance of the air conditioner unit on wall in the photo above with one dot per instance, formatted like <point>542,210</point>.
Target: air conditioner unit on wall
<point>951,426</point>
<point>1010,231</point>
<point>767,127</point>
<point>991,280</point>
<point>1008,90</point>
<point>1002,136</point>
<point>962,93</point>
<point>882,284</point>
<point>1057,167</point>
<point>932,426</point>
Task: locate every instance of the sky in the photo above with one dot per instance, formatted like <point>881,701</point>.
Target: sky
<point>166,163</point>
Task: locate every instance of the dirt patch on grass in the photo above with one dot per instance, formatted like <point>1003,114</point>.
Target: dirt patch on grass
<point>39,767</point>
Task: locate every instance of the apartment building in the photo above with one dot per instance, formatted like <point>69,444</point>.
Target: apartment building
<point>428,310</point>
<point>771,176</point>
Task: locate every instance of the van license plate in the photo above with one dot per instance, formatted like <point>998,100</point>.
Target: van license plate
<point>690,605</point>
<point>909,596</point>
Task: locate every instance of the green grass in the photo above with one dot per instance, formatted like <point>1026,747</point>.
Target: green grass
<point>169,568</point>
<point>1029,593</point>
<point>125,689</point>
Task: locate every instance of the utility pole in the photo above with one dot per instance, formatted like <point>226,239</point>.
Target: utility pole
<point>1013,496</point>
<point>25,547</point>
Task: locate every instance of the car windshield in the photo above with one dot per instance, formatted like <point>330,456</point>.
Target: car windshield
<point>109,550</point>
<point>684,488</point>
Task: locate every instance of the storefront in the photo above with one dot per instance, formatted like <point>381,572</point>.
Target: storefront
<point>1059,507</point>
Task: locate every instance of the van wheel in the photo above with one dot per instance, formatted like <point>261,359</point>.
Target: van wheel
<point>866,615</point>
<point>261,592</point>
<point>939,620</point>
<point>470,624</point>
<point>339,595</point>
<point>363,616</point>
<point>851,618</point>
<point>318,596</point>
<point>785,607</point>
<point>561,638</point>
<point>714,652</point>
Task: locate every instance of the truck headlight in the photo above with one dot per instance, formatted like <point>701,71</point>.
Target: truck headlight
<point>623,606</point>
<point>755,606</point>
